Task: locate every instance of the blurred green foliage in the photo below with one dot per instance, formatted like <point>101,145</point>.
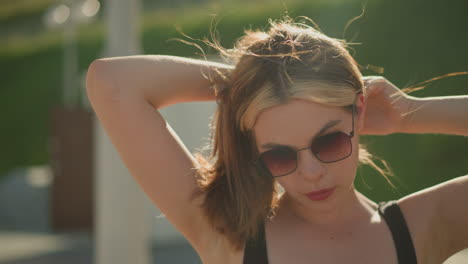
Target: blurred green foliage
<point>413,40</point>
<point>19,9</point>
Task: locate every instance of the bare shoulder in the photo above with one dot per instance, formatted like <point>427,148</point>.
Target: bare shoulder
<point>435,218</point>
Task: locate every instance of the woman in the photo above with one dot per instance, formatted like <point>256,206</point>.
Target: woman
<point>278,187</point>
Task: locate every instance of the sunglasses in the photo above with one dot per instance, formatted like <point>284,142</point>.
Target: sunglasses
<point>328,148</point>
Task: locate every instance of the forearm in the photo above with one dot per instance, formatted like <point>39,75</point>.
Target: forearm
<point>444,114</point>
<point>161,79</point>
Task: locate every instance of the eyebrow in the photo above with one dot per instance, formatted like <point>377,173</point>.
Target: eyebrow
<point>327,126</point>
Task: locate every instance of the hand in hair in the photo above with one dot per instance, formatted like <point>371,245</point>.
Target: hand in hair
<point>386,107</point>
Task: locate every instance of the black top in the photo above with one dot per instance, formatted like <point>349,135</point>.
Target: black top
<point>256,251</point>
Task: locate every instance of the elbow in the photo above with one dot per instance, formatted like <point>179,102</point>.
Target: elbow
<point>98,80</point>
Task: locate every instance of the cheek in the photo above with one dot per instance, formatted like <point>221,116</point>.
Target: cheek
<point>348,168</point>
<point>286,184</point>
<point>350,163</point>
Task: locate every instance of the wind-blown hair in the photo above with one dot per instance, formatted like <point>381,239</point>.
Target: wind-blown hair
<point>290,60</point>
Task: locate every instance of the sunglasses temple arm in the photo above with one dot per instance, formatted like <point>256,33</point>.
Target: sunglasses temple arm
<point>353,111</point>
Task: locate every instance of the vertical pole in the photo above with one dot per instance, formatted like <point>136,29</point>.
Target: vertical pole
<point>122,222</point>
<point>69,92</point>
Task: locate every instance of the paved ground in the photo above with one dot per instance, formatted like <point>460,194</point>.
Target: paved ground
<point>73,248</point>
<point>77,248</point>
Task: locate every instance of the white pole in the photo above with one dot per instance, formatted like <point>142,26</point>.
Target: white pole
<point>122,227</point>
<point>122,27</point>
<point>70,58</point>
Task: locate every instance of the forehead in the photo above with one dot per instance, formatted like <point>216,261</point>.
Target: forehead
<point>295,122</point>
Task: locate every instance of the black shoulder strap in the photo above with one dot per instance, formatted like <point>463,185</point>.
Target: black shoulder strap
<point>255,251</point>
<point>392,214</point>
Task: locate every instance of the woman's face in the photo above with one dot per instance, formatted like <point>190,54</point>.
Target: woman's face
<point>295,124</point>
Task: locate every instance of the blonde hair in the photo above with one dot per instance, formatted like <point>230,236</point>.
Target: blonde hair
<point>290,60</point>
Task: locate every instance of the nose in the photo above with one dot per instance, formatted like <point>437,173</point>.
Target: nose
<point>309,167</point>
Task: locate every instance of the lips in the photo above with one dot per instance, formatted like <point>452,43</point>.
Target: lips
<point>320,191</point>
<point>320,194</point>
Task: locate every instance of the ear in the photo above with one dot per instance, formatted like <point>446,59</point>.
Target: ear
<point>361,111</point>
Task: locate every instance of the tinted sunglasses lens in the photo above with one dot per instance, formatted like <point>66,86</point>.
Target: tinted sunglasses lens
<point>279,161</point>
<point>332,147</point>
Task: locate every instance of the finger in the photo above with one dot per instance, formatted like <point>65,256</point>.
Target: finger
<point>371,78</point>
<point>374,89</point>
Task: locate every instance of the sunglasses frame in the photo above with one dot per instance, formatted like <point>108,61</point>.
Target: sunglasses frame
<point>350,136</point>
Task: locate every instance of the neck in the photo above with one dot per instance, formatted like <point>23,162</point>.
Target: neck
<point>349,209</point>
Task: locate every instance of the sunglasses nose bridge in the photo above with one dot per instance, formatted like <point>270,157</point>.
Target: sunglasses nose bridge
<point>299,150</point>
<point>309,147</point>
<point>309,160</point>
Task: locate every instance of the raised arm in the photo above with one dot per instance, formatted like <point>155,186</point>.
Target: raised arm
<point>448,201</point>
<point>388,110</point>
<point>438,215</point>
<point>125,93</point>
<point>442,208</point>
<point>161,80</point>
<point>442,114</point>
